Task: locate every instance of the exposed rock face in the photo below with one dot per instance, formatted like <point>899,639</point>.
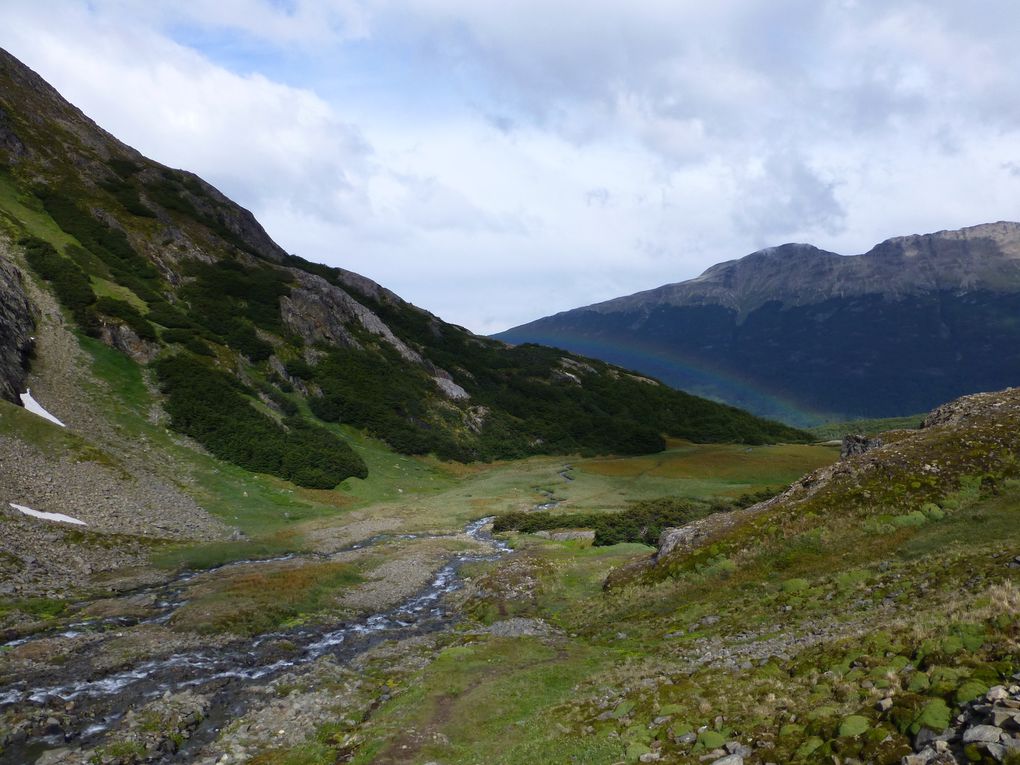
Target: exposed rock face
<point>10,144</point>
<point>17,323</point>
<point>794,331</point>
<point>319,312</point>
<point>124,339</point>
<point>450,389</point>
<point>854,444</point>
<point>684,537</point>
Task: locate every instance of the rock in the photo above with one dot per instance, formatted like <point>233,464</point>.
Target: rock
<point>671,539</point>
<point>57,757</point>
<point>687,738</point>
<point>735,747</point>
<point>17,324</point>
<point>124,339</point>
<point>730,759</point>
<point>982,734</point>
<point>519,627</point>
<point>854,445</point>
<point>998,751</point>
<point>649,757</point>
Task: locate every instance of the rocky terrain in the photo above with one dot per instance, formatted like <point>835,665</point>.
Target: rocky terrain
<point>16,329</point>
<point>801,333</point>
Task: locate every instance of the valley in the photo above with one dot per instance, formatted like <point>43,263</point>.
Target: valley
<point>278,515</point>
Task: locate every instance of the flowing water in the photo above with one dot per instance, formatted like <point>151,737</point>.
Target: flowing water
<point>102,699</point>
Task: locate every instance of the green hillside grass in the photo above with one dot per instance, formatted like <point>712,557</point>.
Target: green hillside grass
<point>810,613</point>
<point>834,430</point>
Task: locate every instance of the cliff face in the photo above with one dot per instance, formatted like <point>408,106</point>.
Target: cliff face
<point>801,333</point>
<point>16,326</point>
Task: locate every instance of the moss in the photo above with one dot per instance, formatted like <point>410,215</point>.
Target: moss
<point>623,709</point>
<point>710,739</point>
<point>795,585</point>
<point>969,691</point>
<point>854,725</point>
<point>810,746</point>
<point>934,715</point>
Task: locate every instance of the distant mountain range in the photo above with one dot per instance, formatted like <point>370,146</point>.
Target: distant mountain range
<point>805,335</point>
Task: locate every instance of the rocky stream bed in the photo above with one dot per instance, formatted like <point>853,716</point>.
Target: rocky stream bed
<point>193,693</point>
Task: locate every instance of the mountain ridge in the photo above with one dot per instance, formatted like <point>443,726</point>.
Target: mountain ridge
<point>795,332</point>
<point>843,271</point>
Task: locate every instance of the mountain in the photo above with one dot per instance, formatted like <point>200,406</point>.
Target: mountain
<point>802,334</point>
<point>255,350</point>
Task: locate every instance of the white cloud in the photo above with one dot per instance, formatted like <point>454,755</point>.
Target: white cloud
<point>495,162</point>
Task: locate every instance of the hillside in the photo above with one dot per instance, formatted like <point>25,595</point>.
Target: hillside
<point>255,349</point>
<point>868,613</point>
<point>807,335</point>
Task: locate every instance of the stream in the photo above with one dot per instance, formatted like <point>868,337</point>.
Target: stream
<point>100,700</point>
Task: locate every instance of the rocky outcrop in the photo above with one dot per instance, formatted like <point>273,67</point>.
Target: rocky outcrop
<point>11,146</point>
<point>320,313</point>
<point>987,727</point>
<point>682,538</point>
<point>854,444</point>
<point>124,339</point>
<point>967,408</point>
<point>17,323</point>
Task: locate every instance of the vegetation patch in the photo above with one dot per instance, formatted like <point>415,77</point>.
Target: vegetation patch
<point>214,409</point>
<point>260,599</point>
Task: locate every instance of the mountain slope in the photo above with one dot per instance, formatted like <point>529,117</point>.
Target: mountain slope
<point>805,334</point>
<point>255,349</point>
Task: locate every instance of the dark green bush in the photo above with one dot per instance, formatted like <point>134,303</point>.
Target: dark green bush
<point>300,368</point>
<point>125,168</point>
<point>166,315</point>
<point>127,195</point>
<point>212,408</point>
<point>128,314</point>
<point>642,522</point>
<point>109,244</point>
<point>69,282</point>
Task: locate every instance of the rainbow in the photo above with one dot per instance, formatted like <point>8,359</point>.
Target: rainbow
<point>681,371</point>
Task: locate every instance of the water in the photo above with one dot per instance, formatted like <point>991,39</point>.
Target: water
<point>101,701</point>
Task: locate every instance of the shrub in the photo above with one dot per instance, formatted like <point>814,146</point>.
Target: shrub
<point>71,285</point>
<point>128,314</point>
<point>212,408</point>
<point>642,522</point>
<point>109,244</point>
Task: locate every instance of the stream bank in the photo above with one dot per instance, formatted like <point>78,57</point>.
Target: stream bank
<point>194,693</point>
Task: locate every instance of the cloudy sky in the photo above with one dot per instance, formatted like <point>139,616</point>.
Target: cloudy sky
<point>497,161</point>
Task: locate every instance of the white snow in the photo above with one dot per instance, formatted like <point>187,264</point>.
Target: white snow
<point>36,408</point>
<point>47,516</point>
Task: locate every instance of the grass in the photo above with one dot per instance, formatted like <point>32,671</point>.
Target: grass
<point>25,214</point>
<point>928,611</point>
<point>836,430</point>
<point>487,698</point>
<point>106,288</point>
<point>253,600</point>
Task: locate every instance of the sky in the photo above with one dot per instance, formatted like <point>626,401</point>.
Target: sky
<point>498,161</point>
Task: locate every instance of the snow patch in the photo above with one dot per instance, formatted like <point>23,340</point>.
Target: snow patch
<point>36,408</point>
<point>59,517</point>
